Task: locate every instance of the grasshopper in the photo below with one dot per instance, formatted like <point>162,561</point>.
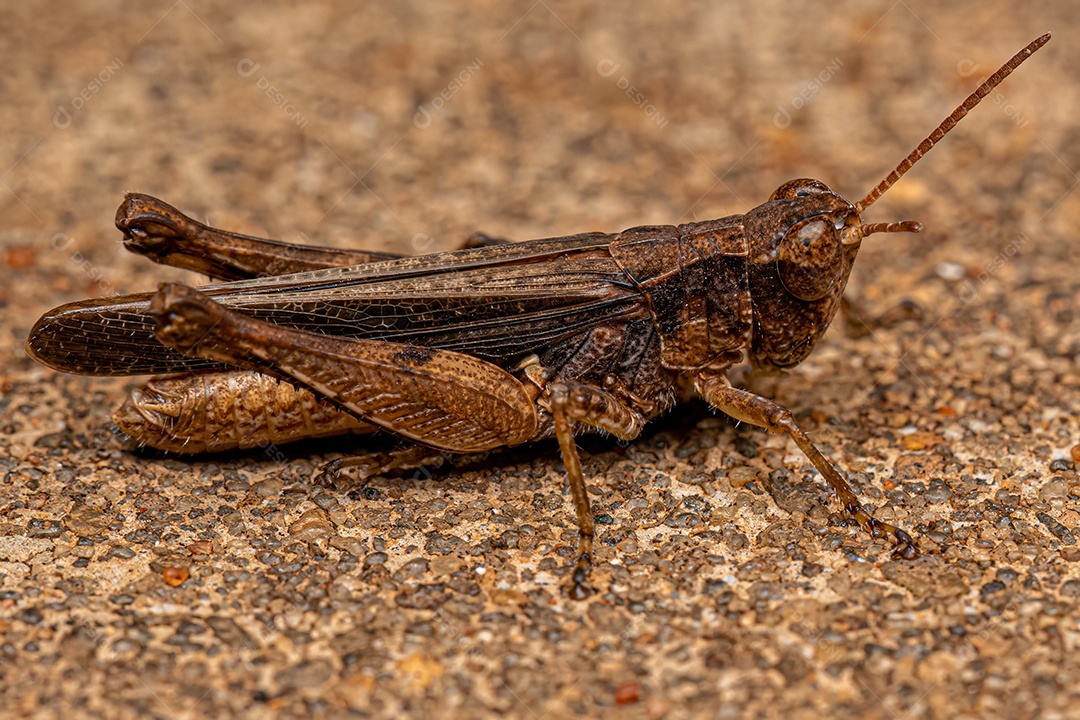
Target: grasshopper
<point>493,345</point>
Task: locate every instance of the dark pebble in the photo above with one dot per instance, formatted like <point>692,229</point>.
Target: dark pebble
<point>424,597</point>
<point>938,492</point>
<point>37,528</point>
<point>746,448</point>
<point>30,616</point>
<point>1060,531</point>
<point>376,558</point>
<point>413,568</point>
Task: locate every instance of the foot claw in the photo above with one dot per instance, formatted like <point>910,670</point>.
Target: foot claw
<point>328,476</point>
<point>580,591</point>
<point>580,588</point>
<point>906,551</point>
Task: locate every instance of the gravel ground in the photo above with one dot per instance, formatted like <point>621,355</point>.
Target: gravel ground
<point>730,583</point>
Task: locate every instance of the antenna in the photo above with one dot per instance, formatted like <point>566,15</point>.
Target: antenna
<point>906,226</point>
<point>948,123</point>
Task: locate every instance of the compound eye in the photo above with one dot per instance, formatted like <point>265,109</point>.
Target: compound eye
<point>800,188</point>
<point>810,258</point>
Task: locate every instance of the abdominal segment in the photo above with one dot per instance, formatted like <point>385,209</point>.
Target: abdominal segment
<point>218,411</point>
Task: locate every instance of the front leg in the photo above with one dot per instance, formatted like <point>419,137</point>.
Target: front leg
<point>760,411</point>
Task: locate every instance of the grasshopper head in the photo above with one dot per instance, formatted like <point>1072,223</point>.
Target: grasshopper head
<point>803,242</point>
<point>802,246</point>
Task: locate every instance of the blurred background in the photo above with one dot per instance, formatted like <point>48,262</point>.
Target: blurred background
<point>408,126</point>
<point>375,125</point>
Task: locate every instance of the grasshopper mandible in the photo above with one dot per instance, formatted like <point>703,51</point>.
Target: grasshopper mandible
<point>492,345</point>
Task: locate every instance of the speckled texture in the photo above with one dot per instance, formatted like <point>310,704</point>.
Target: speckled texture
<point>149,587</point>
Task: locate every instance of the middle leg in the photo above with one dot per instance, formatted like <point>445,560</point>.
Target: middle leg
<point>575,402</point>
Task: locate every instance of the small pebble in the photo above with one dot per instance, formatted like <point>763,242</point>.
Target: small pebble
<point>628,692</point>
<point>950,271</point>
<point>175,576</point>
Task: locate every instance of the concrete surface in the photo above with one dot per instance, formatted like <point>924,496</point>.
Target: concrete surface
<point>170,587</point>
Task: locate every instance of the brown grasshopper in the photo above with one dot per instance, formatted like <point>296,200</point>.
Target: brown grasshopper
<point>489,346</point>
